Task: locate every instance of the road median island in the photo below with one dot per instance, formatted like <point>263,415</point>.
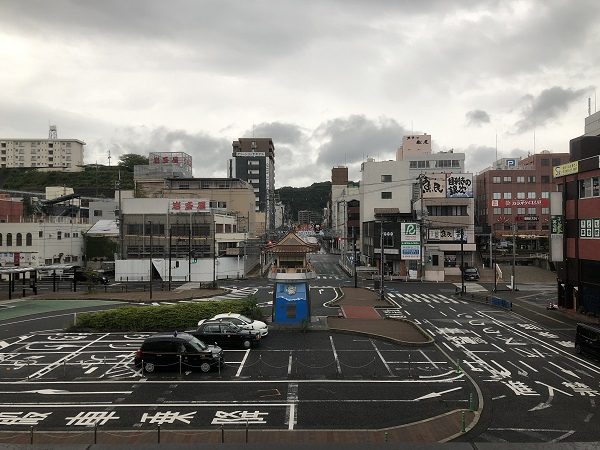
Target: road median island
<point>134,296</point>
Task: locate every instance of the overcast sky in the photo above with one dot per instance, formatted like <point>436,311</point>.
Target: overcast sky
<point>332,82</point>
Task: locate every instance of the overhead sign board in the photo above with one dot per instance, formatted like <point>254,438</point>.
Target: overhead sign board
<point>410,232</point>
<point>565,169</point>
<point>433,185</point>
<point>410,252</point>
<point>250,154</point>
<point>543,202</point>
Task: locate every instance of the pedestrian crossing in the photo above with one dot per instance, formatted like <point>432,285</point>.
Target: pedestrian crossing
<point>424,298</point>
<point>471,287</point>
<point>234,294</point>
<point>331,277</point>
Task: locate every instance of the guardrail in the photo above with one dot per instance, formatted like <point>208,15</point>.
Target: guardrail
<point>491,300</point>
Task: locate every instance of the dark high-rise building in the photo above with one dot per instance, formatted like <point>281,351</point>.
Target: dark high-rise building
<point>254,161</point>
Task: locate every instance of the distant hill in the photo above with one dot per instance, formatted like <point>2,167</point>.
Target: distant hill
<point>313,198</point>
<point>93,181</point>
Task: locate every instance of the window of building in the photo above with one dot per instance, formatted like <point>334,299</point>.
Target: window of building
<point>19,239</point>
<point>496,179</point>
<point>497,211</point>
<point>507,179</point>
<point>9,239</point>
<point>545,179</point>
<point>496,195</point>
<point>75,235</point>
<point>507,211</point>
<point>386,178</point>
<point>531,195</point>
<point>521,195</point>
<point>386,195</point>
<point>589,187</point>
<point>50,145</point>
<point>520,179</point>
<point>507,195</point>
<point>40,234</point>
<point>97,213</point>
<point>520,211</point>
<point>532,211</point>
<point>28,240</point>
<point>532,225</point>
<point>59,235</point>
<point>48,261</point>
<point>531,179</point>
<point>545,194</point>
<point>0,238</point>
<point>545,162</point>
<point>253,172</point>
<point>447,210</point>
<point>556,161</point>
<point>545,210</point>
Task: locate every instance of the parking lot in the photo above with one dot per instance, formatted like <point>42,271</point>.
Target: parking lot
<point>292,379</point>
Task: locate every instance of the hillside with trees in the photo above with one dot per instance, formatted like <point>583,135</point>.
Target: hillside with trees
<point>313,198</point>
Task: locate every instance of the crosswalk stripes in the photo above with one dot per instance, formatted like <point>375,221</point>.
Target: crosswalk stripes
<point>424,298</point>
<point>232,295</point>
<point>471,287</point>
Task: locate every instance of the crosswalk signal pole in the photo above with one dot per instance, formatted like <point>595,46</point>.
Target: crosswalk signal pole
<point>382,261</point>
<point>354,256</point>
<point>462,260</point>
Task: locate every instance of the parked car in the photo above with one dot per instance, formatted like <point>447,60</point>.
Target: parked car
<point>587,340</point>
<point>92,277</point>
<point>471,274</point>
<point>168,351</point>
<point>243,322</point>
<point>226,334</point>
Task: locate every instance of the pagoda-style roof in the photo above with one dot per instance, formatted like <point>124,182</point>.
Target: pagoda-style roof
<point>292,243</point>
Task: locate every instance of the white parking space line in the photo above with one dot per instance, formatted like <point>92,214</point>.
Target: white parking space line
<point>428,359</point>
<point>382,359</point>
<point>290,364</point>
<point>335,355</point>
<point>290,410</point>
<point>242,364</point>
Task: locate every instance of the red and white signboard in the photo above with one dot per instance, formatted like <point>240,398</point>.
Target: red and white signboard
<point>190,205</point>
<point>543,202</point>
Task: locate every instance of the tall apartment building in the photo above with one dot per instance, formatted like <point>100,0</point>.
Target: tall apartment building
<point>575,229</point>
<point>254,161</point>
<point>50,154</point>
<point>516,193</point>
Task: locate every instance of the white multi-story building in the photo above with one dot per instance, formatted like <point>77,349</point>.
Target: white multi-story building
<point>42,154</point>
<point>345,198</point>
<point>57,240</point>
<point>442,195</point>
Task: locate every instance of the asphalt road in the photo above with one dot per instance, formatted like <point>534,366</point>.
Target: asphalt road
<point>533,386</point>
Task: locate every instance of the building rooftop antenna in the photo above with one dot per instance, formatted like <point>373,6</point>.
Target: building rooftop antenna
<point>109,157</point>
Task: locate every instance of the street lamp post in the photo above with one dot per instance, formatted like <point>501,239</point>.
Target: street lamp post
<point>150,226</point>
<point>514,257</point>
<point>170,255</point>
<point>462,260</point>
<point>381,261</point>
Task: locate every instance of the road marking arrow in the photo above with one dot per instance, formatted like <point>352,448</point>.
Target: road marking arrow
<point>568,372</point>
<point>435,394</point>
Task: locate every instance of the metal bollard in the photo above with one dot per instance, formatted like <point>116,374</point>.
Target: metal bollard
<point>462,422</point>
<point>179,365</point>
<point>457,365</point>
<point>385,437</point>
<point>158,434</point>
<point>222,434</point>
<point>96,433</point>
<point>471,403</point>
<point>246,431</point>
<point>31,435</point>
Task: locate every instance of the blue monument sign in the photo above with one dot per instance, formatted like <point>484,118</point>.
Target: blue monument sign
<point>291,305</point>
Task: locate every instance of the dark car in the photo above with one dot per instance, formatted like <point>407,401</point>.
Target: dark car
<point>471,274</point>
<point>226,334</point>
<point>587,340</point>
<point>91,277</point>
<point>177,351</point>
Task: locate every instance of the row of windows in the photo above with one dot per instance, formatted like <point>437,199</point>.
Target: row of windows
<point>520,195</point>
<point>447,210</point>
<point>521,226</point>
<point>443,163</point>
<point>29,238</point>
<point>521,211</point>
<point>589,187</point>
<point>545,179</point>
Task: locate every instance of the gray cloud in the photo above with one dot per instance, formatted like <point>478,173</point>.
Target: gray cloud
<point>209,154</point>
<point>546,106</point>
<point>477,117</point>
<point>351,139</point>
<point>286,133</point>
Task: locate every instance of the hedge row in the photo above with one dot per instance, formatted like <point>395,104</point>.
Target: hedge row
<point>183,316</point>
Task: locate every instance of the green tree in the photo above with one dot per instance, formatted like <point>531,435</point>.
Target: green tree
<point>129,160</point>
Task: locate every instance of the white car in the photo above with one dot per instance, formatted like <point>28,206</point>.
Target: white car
<point>243,322</point>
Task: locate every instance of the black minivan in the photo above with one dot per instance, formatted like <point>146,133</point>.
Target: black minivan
<point>177,351</point>
<point>587,340</point>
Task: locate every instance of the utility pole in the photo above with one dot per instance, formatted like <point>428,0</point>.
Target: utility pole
<point>215,252</point>
<point>190,251</point>
<point>381,260</point>
<point>151,265</point>
<point>120,218</point>
<point>421,228</point>
<point>354,256</point>
<point>462,260</point>
<point>170,258</point>
<point>514,255</point>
